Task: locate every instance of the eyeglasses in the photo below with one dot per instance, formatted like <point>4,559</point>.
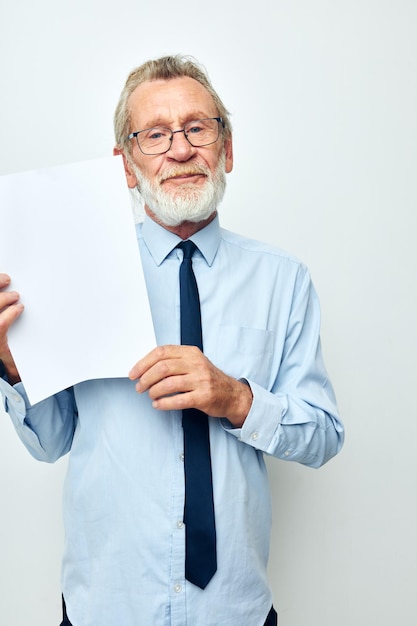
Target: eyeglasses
<point>198,133</point>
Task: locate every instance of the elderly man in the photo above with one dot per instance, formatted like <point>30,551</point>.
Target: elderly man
<point>167,505</point>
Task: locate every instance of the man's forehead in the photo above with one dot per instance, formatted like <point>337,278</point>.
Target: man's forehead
<point>176,98</point>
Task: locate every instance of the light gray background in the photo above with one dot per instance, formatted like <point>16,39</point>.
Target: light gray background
<point>335,184</point>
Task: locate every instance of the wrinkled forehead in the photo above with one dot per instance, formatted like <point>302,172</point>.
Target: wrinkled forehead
<point>169,102</point>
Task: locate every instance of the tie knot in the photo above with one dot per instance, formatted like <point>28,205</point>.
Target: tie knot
<point>188,247</point>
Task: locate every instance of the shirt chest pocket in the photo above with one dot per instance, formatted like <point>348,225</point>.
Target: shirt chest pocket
<point>245,352</point>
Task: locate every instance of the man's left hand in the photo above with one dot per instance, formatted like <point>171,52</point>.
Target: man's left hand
<point>182,377</point>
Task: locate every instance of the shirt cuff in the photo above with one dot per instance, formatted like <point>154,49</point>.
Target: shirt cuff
<point>262,428</point>
<point>15,400</point>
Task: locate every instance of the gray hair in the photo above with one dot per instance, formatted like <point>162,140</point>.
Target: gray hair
<point>164,68</point>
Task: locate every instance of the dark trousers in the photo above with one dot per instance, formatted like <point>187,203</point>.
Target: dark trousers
<point>271,620</point>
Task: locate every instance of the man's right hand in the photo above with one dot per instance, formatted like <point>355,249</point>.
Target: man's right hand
<point>10,309</point>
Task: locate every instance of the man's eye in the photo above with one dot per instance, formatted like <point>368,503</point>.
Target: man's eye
<point>154,134</point>
<point>194,130</point>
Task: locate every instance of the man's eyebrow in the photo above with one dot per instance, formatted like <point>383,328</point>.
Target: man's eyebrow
<point>160,121</point>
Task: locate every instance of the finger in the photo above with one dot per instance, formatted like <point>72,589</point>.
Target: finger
<point>160,372</point>
<point>176,402</point>
<point>148,361</point>
<point>4,280</point>
<point>10,309</point>
<point>8,298</point>
<point>10,314</point>
<point>179,360</point>
<point>172,385</point>
<point>157,355</point>
<point>7,317</point>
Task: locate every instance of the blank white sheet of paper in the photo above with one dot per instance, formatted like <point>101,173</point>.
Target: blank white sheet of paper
<point>68,241</point>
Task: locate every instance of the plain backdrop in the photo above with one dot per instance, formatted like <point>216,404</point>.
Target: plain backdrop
<point>323,97</point>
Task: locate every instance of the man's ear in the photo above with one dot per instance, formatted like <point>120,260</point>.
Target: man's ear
<point>130,176</point>
<point>228,149</point>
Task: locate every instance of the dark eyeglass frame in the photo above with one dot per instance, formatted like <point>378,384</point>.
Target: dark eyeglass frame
<point>219,120</point>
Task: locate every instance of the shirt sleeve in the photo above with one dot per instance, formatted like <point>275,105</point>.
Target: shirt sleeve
<point>46,428</point>
<point>296,419</point>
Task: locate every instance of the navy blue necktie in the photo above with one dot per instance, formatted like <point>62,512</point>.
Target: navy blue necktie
<point>200,530</point>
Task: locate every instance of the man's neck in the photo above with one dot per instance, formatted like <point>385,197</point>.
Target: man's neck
<point>185,230</point>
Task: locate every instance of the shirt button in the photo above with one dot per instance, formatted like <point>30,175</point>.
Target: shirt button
<point>17,398</point>
<point>180,524</point>
<point>182,456</point>
<point>254,436</point>
<point>287,453</point>
<point>177,588</point>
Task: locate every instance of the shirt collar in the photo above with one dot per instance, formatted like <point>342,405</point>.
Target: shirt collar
<point>160,241</point>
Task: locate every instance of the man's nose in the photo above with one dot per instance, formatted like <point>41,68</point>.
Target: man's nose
<point>181,149</point>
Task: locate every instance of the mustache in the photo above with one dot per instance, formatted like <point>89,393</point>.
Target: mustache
<point>185,170</point>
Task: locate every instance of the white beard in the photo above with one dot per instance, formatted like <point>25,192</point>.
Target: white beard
<point>188,203</point>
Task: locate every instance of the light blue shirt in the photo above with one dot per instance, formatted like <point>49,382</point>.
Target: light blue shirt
<point>124,491</point>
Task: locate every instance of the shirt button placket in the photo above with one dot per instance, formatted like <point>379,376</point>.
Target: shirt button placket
<point>178,587</point>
